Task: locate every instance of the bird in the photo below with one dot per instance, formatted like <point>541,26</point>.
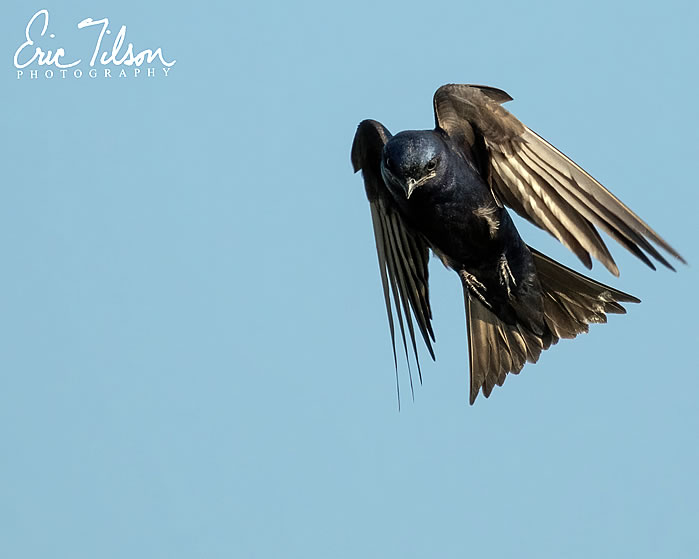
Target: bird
<point>446,191</point>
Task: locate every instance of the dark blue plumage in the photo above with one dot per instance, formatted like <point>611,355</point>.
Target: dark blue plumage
<point>441,193</point>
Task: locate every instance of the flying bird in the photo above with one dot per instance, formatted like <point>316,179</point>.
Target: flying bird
<point>445,191</point>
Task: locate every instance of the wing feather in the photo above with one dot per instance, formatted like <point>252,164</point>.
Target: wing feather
<point>541,183</point>
<point>403,254</point>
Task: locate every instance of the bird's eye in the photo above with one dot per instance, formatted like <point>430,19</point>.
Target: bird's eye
<point>431,164</point>
<point>387,162</point>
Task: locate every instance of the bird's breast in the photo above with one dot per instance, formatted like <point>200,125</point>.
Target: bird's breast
<point>460,218</point>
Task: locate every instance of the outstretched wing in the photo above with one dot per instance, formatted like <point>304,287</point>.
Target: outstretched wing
<point>539,182</point>
<point>403,253</point>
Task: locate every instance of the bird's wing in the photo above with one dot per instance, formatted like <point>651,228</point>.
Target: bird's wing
<point>403,253</point>
<point>539,182</point>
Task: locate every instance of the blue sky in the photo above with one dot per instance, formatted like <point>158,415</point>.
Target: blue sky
<point>195,360</point>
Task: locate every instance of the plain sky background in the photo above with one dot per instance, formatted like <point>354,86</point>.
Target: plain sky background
<point>194,354</point>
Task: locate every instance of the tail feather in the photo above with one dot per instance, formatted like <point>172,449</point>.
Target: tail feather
<point>497,348</point>
<point>571,302</point>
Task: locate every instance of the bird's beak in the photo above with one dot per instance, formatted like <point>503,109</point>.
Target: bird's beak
<point>410,186</point>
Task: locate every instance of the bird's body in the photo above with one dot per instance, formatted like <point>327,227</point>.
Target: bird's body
<point>457,208</point>
<point>443,190</point>
<point>458,214</point>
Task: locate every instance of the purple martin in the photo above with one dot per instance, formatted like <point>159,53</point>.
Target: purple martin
<point>445,191</point>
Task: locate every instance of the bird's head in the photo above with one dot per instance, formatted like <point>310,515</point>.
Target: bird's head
<point>412,160</point>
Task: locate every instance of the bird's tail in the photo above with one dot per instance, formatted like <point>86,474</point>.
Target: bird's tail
<point>571,302</point>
